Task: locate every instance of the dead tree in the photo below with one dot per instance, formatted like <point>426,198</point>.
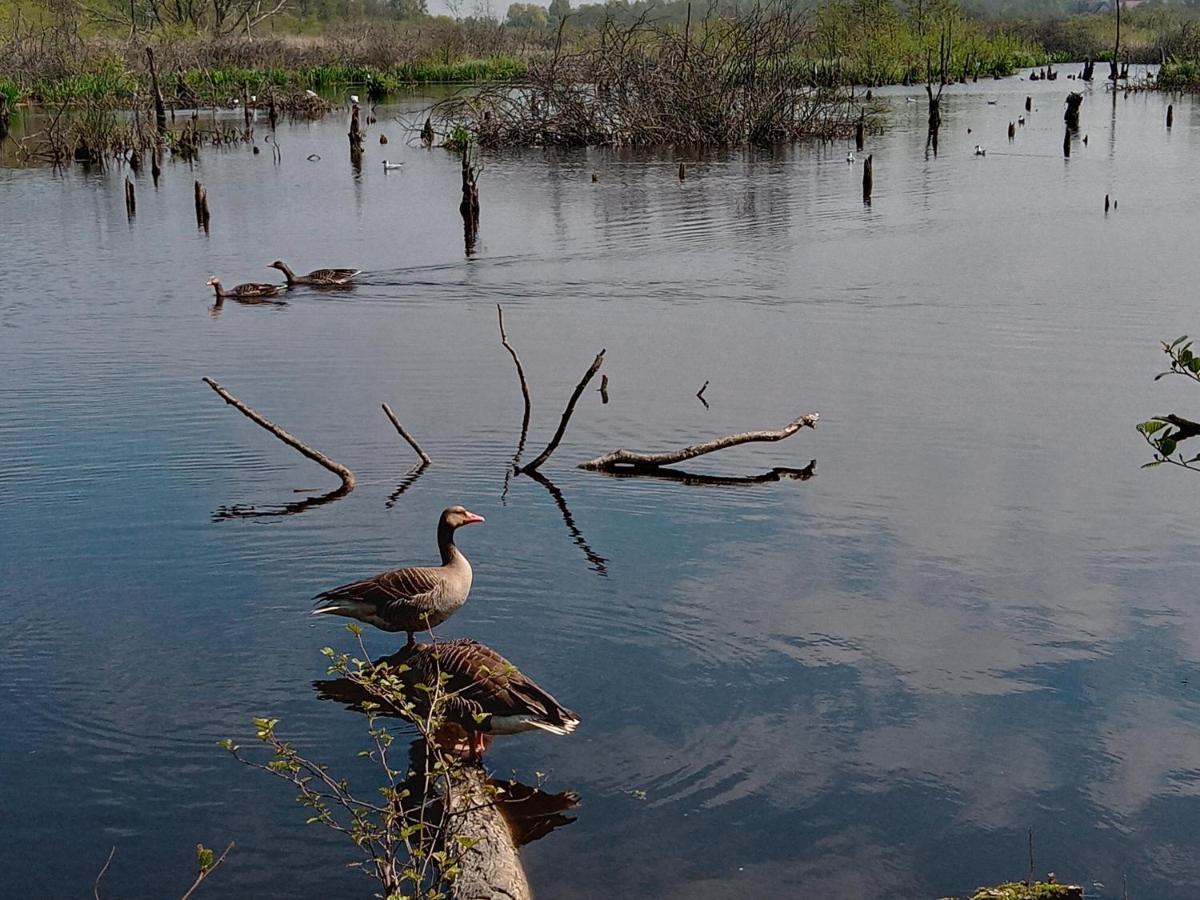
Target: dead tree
<point>1113,72</point>
<point>468,207</point>
<point>355,135</point>
<point>160,109</point>
<point>945,49</point>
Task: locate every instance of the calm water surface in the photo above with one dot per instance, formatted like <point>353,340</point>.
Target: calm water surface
<point>979,617</point>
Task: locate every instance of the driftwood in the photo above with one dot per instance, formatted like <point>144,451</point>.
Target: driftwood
<point>490,866</point>
<point>425,460</point>
<point>566,416</point>
<point>315,455</point>
<point>632,460</point>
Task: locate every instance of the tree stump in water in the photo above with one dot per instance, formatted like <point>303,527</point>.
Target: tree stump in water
<point>160,109</point>
<point>1071,116</point>
<point>1028,104</point>
<point>1067,142</point>
<point>468,207</point>
<point>860,130</point>
<point>427,132</point>
<point>355,135</point>
<point>1170,114</point>
<point>868,179</point>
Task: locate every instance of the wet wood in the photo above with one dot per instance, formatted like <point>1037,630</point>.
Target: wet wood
<point>1170,114</point>
<point>1067,142</point>
<point>130,198</point>
<point>355,135</point>
<point>491,867</point>
<point>201,200</point>
<point>521,377</point>
<point>468,206</point>
<point>1071,115</point>
<point>869,178</point>
<point>682,171</point>
<point>427,132</point>
<point>636,460</point>
<point>316,456</point>
<point>860,129</point>
<point>566,416</point>
<point>412,442</point>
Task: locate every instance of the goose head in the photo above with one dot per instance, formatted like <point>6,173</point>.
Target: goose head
<point>457,516</point>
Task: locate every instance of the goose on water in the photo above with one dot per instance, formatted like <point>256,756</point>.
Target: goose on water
<point>483,693</point>
<point>318,277</point>
<point>241,291</point>
<point>412,599</point>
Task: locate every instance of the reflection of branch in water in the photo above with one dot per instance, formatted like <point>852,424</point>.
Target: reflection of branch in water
<point>406,482</point>
<point>777,474</point>
<point>239,511</point>
<point>597,561</point>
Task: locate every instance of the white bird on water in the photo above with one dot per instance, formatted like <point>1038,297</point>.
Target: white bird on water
<point>910,99</point>
<point>387,166</point>
<point>980,151</point>
<point>354,98</point>
<point>850,157</point>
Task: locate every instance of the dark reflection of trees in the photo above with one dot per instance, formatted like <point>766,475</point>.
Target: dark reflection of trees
<point>239,511</point>
<point>779,473</point>
<point>595,560</point>
<point>406,482</point>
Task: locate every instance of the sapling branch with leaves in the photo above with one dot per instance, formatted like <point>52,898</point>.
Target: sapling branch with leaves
<point>1166,433</point>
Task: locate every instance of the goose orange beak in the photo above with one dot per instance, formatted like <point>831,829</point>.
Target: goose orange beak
<point>473,519</point>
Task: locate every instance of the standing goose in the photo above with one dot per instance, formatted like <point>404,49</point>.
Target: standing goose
<point>483,692</point>
<point>318,277</point>
<point>412,599</point>
<point>241,291</point>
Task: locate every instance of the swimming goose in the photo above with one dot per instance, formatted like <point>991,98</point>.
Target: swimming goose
<point>484,693</point>
<point>318,277</point>
<point>412,599</point>
<point>250,289</point>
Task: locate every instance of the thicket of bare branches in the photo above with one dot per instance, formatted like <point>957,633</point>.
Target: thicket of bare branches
<point>717,81</point>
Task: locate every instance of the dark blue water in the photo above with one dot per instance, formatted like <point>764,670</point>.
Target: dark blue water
<point>979,618</point>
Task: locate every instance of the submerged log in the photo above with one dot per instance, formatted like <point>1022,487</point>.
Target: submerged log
<point>635,460</point>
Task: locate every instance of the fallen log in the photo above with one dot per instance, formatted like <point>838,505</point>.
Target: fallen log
<point>637,461</point>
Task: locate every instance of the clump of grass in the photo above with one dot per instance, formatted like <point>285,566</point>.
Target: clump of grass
<point>1019,890</point>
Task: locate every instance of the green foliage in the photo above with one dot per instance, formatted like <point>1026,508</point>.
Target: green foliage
<point>526,15</point>
<point>1165,434</point>
<point>1019,890</point>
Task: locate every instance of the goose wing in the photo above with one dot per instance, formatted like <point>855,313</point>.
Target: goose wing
<point>482,682</point>
<point>331,276</point>
<point>394,601</point>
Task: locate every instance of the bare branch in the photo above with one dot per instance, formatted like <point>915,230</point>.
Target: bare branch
<point>524,384</point>
<point>566,416</point>
<point>425,460</point>
<point>635,460</point>
<point>315,455</point>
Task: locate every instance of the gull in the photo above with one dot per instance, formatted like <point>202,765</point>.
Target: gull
<point>980,151</point>
<point>354,98</point>
<point>910,99</point>
<point>850,157</point>
<point>387,166</point>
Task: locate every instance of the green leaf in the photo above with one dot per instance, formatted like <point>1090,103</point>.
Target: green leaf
<point>1166,446</point>
<point>1150,426</point>
<point>204,857</point>
<point>354,628</point>
<point>227,744</point>
<point>1179,340</point>
<point>1152,465</point>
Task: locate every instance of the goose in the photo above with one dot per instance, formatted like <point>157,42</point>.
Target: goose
<point>412,599</point>
<point>388,167</point>
<point>980,151</point>
<point>483,692</point>
<point>250,289</point>
<point>319,277</point>
<point>850,157</point>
